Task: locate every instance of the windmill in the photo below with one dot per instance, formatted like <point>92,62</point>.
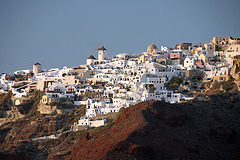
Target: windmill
<point>101,51</point>
<point>101,54</point>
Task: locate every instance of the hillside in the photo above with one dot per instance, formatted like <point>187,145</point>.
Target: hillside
<point>148,130</point>
<point>157,130</point>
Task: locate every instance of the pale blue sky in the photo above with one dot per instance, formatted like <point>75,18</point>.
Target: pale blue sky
<point>56,33</point>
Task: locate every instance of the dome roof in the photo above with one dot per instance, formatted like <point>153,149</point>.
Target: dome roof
<point>91,57</point>
<point>152,47</point>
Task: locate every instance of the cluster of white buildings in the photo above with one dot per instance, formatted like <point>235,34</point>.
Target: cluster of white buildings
<point>127,79</point>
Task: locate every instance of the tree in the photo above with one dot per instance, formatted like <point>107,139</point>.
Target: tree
<point>218,48</point>
<point>174,83</point>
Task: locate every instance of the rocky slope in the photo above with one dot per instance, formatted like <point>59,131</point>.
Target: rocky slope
<point>149,130</point>
<point>235,70</point>
<point>22,124</point>
<point>10,116</point>
<point>157,130</point>
<point>15,137</point>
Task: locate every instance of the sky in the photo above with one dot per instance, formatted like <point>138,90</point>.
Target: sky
<point>58,33</point>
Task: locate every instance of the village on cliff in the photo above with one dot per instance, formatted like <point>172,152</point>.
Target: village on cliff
<point>104,85</point>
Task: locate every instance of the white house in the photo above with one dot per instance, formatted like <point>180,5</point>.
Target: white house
<point>189,63</point>
<point>86,121</point>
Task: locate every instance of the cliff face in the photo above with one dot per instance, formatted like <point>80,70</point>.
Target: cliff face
<point>157,130</point>
<point>15,137</point>
<point>10,116</point>
<point>235,70</point>
<point>148,130</point>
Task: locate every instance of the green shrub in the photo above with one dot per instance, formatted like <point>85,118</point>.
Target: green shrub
<point>173,84</point>
<point>30,107</point>
<point>5,101</point>
<point>205,85</point>
<point>218,48</point>
<point>81,110</point>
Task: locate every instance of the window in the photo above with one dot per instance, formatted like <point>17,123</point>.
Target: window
<point>222,78</point>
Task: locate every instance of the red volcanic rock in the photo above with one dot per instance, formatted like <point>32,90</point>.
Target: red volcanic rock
<point>114,139</point>
<point>158,130</point>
